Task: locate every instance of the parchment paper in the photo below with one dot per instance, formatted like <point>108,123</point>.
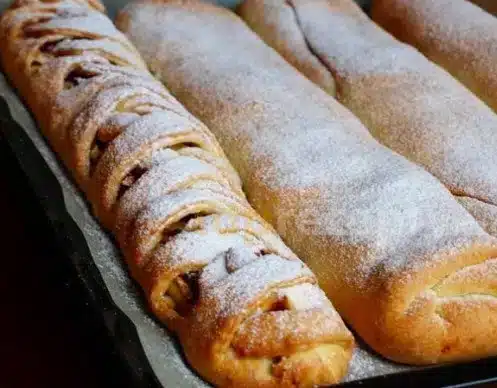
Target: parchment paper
<point>160,347</point>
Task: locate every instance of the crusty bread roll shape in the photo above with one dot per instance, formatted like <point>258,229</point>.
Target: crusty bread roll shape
<point>408,103</point>
<point>247,311</point>
<point>456,34</point>
<point>404,263</point>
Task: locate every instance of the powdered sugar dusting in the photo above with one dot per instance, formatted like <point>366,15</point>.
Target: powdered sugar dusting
<point>76,19</point>
<point>197,247</point>
<point>255,336</point>
<point>484,213</point>
<point>290,143</point>
<point>456,34</point>
<point>154,174</point>
<point>423,113</point>
<point>233,293</point>
<point>241,256</point>
<point>169,174</point>
<point>305,296</point>
<point>109,47</point>
<point>365,364</point>
<point>163,211</point>
<point>372,225</point>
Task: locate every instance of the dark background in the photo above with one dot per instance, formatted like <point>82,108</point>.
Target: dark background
<point>489,5</point>
<point>48,336</point>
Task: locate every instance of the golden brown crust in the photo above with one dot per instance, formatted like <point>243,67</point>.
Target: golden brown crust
<point>157,178</point>
<point>388,242</point>
<point>455,34</point>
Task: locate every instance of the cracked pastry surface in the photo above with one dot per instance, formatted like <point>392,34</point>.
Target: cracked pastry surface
<point>247,311</point>
<point>407,266</point>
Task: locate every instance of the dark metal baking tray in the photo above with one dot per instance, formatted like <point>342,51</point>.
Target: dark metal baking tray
<point>95,296</point>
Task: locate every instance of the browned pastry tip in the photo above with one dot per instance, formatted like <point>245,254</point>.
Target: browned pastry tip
<point>211,268</point>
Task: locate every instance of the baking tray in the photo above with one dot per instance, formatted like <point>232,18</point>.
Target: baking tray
<point>146,351</point>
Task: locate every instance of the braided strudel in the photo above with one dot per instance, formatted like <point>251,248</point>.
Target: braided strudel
<point>410,268</point>
<point>247,311</point>
<point>455,34</point>
<point>408,103</point>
